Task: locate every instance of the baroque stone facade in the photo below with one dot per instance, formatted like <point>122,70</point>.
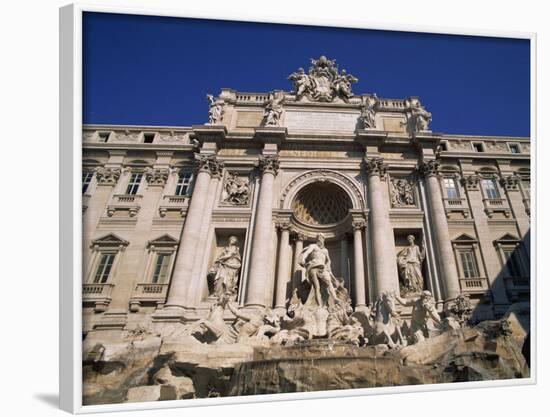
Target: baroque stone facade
<point>190,229</point>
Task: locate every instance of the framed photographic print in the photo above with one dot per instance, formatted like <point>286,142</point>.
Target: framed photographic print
<point>276,210</point>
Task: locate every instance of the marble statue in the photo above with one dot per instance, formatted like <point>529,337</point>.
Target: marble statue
<point>423,314</point>
<point>316,260</point>
<point>274,109</point>
<point>323,82</point>
<point>342,85</point>
<point>301,82</point>
<point>215,110</point>
<point>386,323</point>
<point>461,309</point>
<point>368,112</point>
<point>342,325</point>
<point>224,274</point>
<point>258,324</point>
<point>212,328</point>
<point>409,262</point>
<point>420,118</point>
<point>236,190</point>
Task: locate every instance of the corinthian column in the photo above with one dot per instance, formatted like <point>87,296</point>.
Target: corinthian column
<point>181,277</point>
<point>261,239</point>
<point>296,268</point>
<point>383,244</point>
<point>283,275</point>
<point>446,259</point>
<point>358,264</point>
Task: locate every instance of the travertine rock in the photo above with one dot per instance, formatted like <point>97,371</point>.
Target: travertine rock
<point>134,371</point>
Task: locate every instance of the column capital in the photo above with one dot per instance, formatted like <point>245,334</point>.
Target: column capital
<point>268,164</point>
<point>510,182</point>
<point>107,176</point>
<point>375,166</point>
<point>156,176</point>
<point>429,168</point>
<point>471,182</point>
<point>358,224</point>
<point>283,225</point>
<point>210,164</point>
<point>297,235</point>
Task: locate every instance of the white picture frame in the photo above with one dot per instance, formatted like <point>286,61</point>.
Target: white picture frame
<point>71,273</point>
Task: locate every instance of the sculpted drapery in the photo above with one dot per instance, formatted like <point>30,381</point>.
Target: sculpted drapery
<point>225,271</point>
<point>409,261</point>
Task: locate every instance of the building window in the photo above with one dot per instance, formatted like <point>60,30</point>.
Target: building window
<point>451,190</point>
<point>512,262</point>
<point>86,180</point>
<point>133,184</point>
<point>148,137</point>
<point>514,147</point>
<point>468,262</point>
<point>444,146</point>
<point>490,189</point>
<point>104,268</point>
<point>161,269</point>
<point>183,186</point>
<point>478,147</point>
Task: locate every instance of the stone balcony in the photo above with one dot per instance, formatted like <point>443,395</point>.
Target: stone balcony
<point>496,205</point>
<point>98,295</point>
<point>121,203</point>
<point>174,203</point>
<point>476,285</point>
<point>148,293</point>
<point>517,288</point>
<point>456,205</point>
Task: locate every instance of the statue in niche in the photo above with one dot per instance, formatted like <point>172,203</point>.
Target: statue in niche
<point>368,112</point>
<point>316,260</point>
<point>274,109</point>
<point>409,262</point>
<point>224,274</point>
<point>215,111</point>
<point>402,193</point>
<point>424,312</point>
<point>237,191</point>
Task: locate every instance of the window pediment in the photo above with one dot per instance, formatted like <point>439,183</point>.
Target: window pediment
<point>464,238</point>
<point>507,238</point>
<point>164,240</point>
<point>110,240</point>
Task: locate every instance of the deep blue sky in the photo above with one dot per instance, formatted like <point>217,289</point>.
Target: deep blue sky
<point>158,70</point>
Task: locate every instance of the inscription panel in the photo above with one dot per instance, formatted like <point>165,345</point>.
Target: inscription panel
<point>249,118</point>
<point>309,120</point>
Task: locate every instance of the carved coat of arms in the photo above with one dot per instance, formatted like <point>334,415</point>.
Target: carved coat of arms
<point>323,82</point>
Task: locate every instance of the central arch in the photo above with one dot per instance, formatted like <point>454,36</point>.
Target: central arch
<point>321,204</point>
<point>347,184</point>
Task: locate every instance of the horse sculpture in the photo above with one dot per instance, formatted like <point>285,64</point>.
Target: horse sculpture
<point>386,325</point>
